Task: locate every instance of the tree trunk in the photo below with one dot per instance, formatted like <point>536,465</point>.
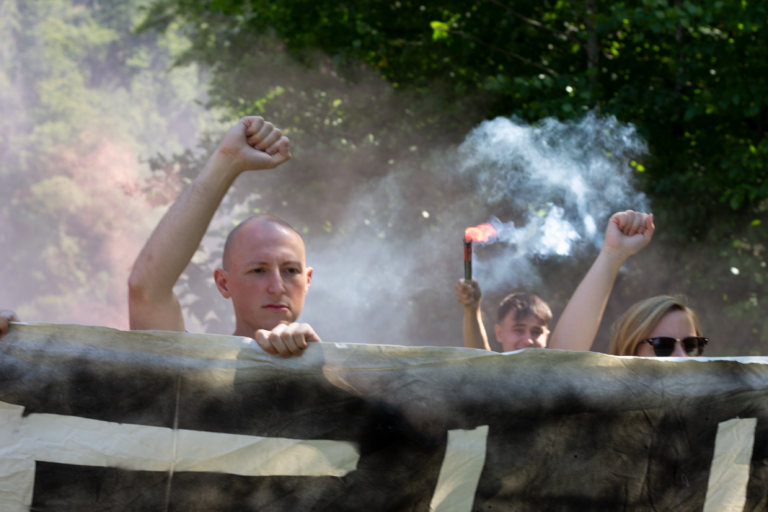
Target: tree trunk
<point>593,53</point>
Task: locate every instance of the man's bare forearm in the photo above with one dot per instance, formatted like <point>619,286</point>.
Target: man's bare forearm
<point>474,330</point>
<point>578,325</point>
<point>178,235</point>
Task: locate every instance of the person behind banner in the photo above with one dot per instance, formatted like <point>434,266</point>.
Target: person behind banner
<point>263,269</point>
<point>6,317</point>
<point>661,326</point>
<point>522,319</point>
<point>627,234</point>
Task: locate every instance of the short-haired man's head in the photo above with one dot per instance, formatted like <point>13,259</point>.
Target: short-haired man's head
<point>523,322</point>
<point>523,305</point>
<point>264,217</point>
<point>264,274</point>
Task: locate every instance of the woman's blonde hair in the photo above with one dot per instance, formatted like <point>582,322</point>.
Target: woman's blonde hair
<point>639,320</point>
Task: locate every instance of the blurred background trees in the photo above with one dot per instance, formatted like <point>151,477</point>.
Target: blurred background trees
<point>374,94</point>
<point>82,100</point>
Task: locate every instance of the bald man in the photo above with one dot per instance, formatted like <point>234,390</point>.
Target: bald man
<point>264,268</point>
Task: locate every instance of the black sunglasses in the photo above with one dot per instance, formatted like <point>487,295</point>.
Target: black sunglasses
<point>663,346</point>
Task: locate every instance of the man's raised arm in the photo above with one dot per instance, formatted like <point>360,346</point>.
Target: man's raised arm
<point>251,145</point>
<point>473,330</point>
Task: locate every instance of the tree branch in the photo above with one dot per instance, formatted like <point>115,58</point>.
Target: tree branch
<point>400,42</point>
<point>511,54</point>
<point>536,23</point>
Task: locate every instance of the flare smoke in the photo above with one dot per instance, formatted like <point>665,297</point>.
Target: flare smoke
<point>567,178</point>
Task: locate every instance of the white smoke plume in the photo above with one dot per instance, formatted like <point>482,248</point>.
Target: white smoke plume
<point>567,178</point>
<point>563,179</point>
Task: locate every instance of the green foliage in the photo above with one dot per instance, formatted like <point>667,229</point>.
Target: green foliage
<point>83,98</point>
<point>691,76</point>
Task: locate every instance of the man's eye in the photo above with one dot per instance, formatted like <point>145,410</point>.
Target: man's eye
<point>292,271</point>
<point>257,270</point>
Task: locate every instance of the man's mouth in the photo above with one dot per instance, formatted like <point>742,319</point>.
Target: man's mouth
<point>275,307</point>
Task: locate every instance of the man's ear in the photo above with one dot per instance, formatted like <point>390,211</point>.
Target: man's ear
<point>497,331</point>
<point>220,276</point>
<point>309,278</point>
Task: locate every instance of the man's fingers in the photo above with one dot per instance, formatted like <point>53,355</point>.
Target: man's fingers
<point>275,339</point>
<point>294,339</point>
<point>271,341</point>
<point>296,344</point>
<point>278,329</point>
<point>271,138</point>
<point>286,340</point>
<point>277,342</point>
<point>468,294</point>
<point>262,140</point>
<point>280,151</point>
<point>309,333</point>
<point>262,338</point>
<point>253,125</point>
<point>265,130</point>
<point>463,291</point>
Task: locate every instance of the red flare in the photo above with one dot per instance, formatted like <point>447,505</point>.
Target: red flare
<point>481,233</point>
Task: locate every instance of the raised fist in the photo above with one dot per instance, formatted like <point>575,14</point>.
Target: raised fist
<point>468,294</point>
<point>254,145</point>
<point>628,232</point>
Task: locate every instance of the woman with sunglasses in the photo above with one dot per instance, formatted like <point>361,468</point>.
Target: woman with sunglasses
<point>658,327</point>
<point>627,234</point>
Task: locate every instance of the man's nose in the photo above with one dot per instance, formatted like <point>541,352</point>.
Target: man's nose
<point>679,352</point>
<point>276,285</point>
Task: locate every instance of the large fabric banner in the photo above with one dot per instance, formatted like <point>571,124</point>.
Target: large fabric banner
<point>94,419</point>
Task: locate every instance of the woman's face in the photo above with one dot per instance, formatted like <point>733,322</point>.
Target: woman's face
<point>674,324</point>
